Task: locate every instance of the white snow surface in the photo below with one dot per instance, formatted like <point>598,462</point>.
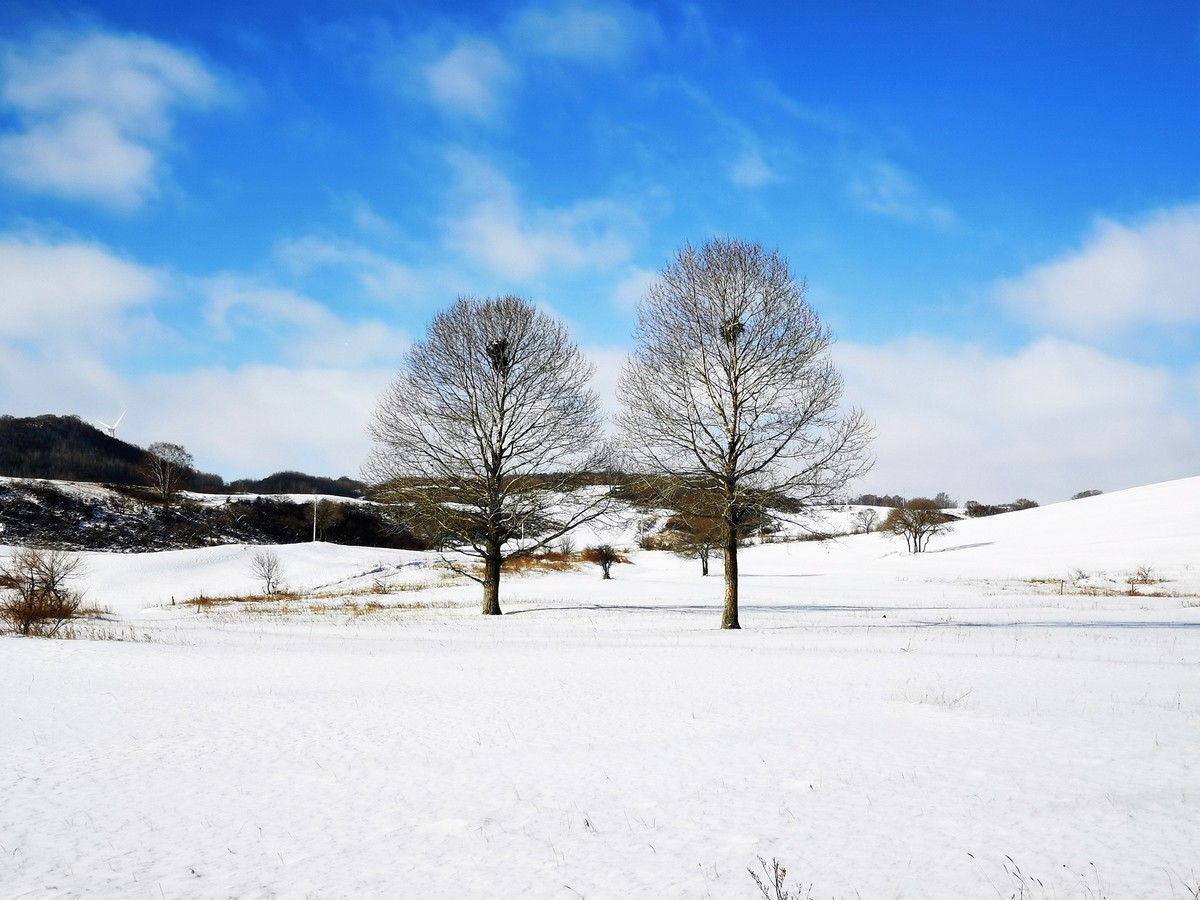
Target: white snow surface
<point>1014,713</point>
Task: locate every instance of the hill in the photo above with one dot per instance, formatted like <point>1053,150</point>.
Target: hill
<point>65,448</point>
<point>81,516</point>
<point>887,724</point>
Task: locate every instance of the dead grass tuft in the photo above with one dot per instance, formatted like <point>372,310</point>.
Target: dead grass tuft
<point>206,602</point>
<point>553,561</point>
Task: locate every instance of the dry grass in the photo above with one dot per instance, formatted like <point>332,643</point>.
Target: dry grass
<point>206,602</point>
<point>356,609</point>
<point>1099,584</point>
<point>332,603</point>
<point>555,561</point>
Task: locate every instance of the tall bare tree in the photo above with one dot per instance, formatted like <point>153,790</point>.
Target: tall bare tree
<point>730,388</point>
<point>480,436</point>
<point>167,468</point>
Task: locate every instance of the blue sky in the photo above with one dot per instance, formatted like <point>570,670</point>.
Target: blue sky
<point>232,219</point>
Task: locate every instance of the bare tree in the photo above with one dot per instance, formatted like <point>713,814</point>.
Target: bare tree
<point>478,440</point>
<point>267,568</point>
<point>40,602</point>
<point>866,519</point>
<point>731,388</point>
<point>167,468</point>
<point>917,521</point>
<point>327,515</point>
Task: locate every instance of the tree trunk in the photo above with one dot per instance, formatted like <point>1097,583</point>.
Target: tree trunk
<point>730,617</point>
<point>704,562</point>
<point>491,581</point>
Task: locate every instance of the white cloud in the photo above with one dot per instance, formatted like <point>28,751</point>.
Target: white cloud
<point>95,113</point>
<point>1047,421</point>
<point>887,190</point>
<point>471,79</point>
<point>1122,276</point>
<point>632,287</point>
<point>72,311</point>
<point>583,32</point>
<point>259,419</point>
<point>56,290</point>
<point>242,422</point>
<point>491,228</point>
<point>608,362</point>
<point>238,306</point>
<point>379,276</point>
<point>750,171</point>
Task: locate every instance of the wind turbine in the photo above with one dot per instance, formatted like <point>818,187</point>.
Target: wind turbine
<point>111,430</point>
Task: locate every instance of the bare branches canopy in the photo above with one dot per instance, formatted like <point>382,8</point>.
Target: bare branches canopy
<point>167,468</point>
<point>39,601</point>
<point>731,388</point>
<point>489,420</point>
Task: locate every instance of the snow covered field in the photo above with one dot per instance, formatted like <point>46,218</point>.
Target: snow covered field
<point>886,725</point>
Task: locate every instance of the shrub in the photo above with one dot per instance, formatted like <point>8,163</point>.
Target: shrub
<point>39,603</point>
<point>603,555</point>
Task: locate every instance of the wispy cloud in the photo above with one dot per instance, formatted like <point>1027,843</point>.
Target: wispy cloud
<point>476,72</point>
<point>887,190</point>
<point>750,171</point>
<point>94,113</point>
<point>584,32</point>
<point>488,225</point>
<point>1123,276</point>
<point>471,79</point>
<point>632,287</point>
<point>380,276</point>
<point>239,306</point>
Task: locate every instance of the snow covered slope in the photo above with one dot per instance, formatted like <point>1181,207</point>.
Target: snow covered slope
<point>998,717</point>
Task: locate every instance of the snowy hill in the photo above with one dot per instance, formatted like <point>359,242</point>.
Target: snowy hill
<point>1006,715</point>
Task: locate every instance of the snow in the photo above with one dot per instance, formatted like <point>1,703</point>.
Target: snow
<point>886,725</point>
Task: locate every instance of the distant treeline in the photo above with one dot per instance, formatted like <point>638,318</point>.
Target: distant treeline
<point>973,508</point>
<point>291,483</point>
<point>65,448</point>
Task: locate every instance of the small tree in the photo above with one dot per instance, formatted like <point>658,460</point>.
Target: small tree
<point>167,468</point>
<point>39,601</point>
<point>917,521</point>
<point>268,570</point>
<point>696,537</point>
<point>327,515</point>
<point>866,519</point>
<point>603,555</point>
